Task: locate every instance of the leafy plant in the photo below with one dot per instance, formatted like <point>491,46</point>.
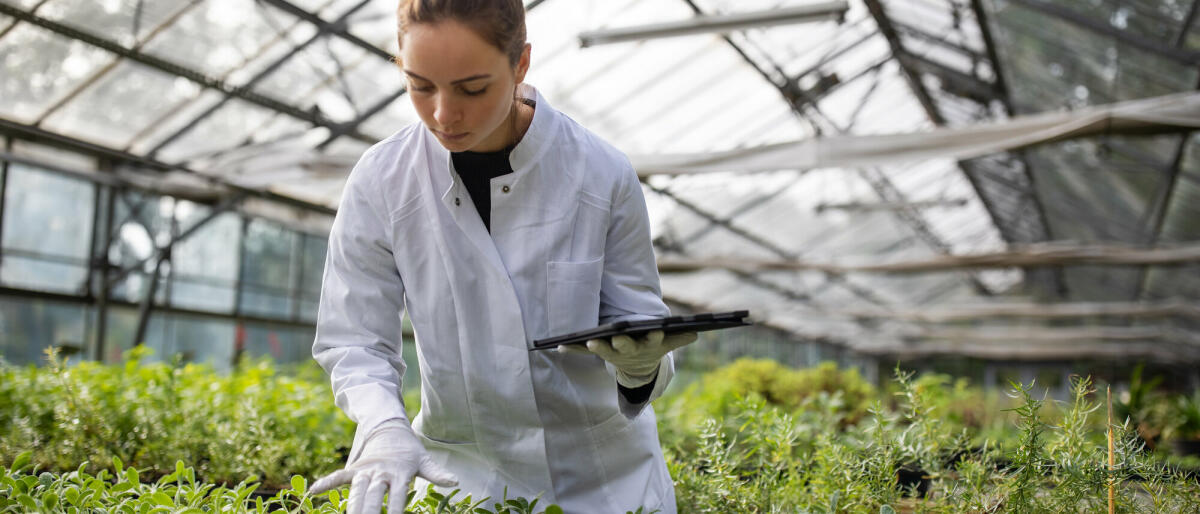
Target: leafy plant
<point>253,421</point>
<point>122,490</point>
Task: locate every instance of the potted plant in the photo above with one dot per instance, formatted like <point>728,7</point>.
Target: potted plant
<point>1184,424</point>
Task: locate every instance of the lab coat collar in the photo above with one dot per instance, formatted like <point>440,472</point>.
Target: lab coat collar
<point>538,136</point>
<point>537,140</point>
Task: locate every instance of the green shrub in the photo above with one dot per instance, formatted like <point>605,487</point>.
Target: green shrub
<point>907,456</point>
<point>845,391</point>
<point>251,422</point>
<point>123,490</point>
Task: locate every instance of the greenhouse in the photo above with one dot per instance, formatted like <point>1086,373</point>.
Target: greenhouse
<point>967,233</point>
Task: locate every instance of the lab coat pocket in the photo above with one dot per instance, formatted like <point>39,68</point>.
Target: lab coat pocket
<point>573,295</point>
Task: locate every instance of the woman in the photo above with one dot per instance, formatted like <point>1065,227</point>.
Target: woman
<point>495,221</point>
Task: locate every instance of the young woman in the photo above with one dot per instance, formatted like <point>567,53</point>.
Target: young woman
<point>494,222</point>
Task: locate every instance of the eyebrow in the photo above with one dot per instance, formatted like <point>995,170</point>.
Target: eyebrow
<point>459,81</point>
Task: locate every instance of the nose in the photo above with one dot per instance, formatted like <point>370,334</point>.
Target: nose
<point>445,111</point>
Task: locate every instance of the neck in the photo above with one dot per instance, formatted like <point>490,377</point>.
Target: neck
<point>520,116</point>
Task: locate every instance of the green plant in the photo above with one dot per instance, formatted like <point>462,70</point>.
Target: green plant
<point>253,421</point>
<point>1184,418</point>
<point>122,490</point>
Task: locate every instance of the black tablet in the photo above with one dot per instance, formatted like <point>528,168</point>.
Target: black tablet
<point>671,325</point>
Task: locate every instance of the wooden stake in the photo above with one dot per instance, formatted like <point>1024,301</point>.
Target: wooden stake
<point>1111,463</point>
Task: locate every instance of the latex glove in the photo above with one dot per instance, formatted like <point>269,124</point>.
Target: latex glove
<point>390,459</point>
<point>636,360</point>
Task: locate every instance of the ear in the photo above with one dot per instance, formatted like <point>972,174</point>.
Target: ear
<point>523,64</point>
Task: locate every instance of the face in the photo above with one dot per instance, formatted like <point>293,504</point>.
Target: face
<point>461,86</point>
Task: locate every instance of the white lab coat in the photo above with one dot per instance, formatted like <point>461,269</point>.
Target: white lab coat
<point>569,248</point>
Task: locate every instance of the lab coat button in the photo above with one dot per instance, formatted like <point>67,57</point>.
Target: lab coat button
<point>456,201</point>
<point>505,189</point>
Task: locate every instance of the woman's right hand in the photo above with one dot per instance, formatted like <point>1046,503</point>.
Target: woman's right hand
<point>391,458</point>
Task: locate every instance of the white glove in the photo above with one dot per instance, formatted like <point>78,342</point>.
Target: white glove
<point>637,360</point>
<point>391,457</point>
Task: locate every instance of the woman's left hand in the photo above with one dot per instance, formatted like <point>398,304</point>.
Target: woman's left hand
<point>636,360</point>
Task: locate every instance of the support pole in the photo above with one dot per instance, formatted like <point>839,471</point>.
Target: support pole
<point>100,260</point>
<point>148,301</point>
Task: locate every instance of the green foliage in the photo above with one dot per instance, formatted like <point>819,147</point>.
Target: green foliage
<point>25,490</point>
<point>845,391</point>
<point>754,437</point>
<point>252,422</point>
<point>912,454</point>
<point>1183,420</point>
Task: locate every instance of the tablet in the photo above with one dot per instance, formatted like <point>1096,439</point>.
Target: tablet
<point>674,324</point>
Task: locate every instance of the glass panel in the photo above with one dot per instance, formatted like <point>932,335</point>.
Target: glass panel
<point>282,343</point>
<point>120,329</point>
<point>267,302</point>
<point>39,68</point>
<point>1045,73</point>
<point>267,269</point>
<point>296,79</point>
<point>204,340</point>
<point>29,326</point>
<point>367,77</point>
<point>314,248</point>
<point>178,116</point>
<point>26,273</point>
<point>47,212</point>
<point>219,36</point>
<point>48,224</point>
<point>376,24</point>
<point>114,20</point>
<point>121,104</point>
<point>205,264</point>
<point>227,127</point>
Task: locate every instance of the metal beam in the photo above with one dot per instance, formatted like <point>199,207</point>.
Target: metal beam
<point>147,304</point>
<point>1052,280</point>
<point>330,28</point>
<point>989,44</point>
<point>1181,38</point>
<point>1064,310</point>
<point>908,63</point>
<point>892,206</point>
<point>1034,255</point>
<point>724,23</point>
<point>4,189</point>
<point>165,250</point>
<point>39,135</point>
<point>113,302</point>
<point>296,49</point>
<point>902,56</point>
<point>782,88</point>
<point>1102,27</point>
<point>309,116</point>
<point>101,263</point>
<point>1017,351</point>
<point>832,277</point>
<point>955,81</point>
<point>353,125</point>
<point>941,41</point>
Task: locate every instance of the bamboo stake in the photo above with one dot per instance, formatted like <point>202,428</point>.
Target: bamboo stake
<point>1111,463</point>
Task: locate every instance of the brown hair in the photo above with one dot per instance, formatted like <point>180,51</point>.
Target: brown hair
<point>499,22</point>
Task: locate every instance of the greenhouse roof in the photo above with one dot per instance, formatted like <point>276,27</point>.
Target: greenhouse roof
<point>1078,239</point>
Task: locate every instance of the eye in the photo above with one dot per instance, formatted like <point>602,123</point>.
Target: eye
<point>421,88</point>
<point>475,92</point>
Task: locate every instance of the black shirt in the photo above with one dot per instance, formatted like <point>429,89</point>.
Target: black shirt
<point>477,169</point>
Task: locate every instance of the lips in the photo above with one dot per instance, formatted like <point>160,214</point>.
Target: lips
<point>451,137</point>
